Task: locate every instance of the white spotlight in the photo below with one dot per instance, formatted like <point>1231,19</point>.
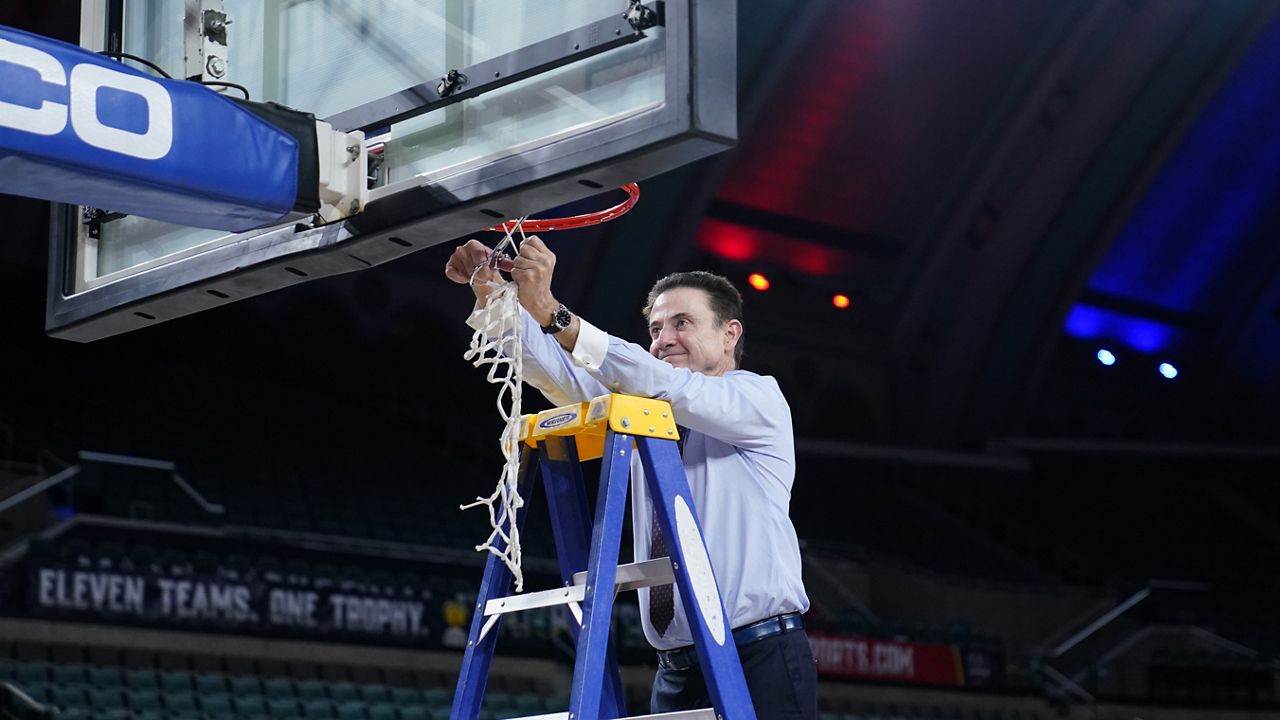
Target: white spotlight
<point>1170,372</point>
<point>1105,357</point>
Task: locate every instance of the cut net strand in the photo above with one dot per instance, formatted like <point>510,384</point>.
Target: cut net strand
<point>498,345</point>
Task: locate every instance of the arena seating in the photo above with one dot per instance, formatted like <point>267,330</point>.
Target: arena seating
<point>903,516</point>
<point>96,692</point>
<point>885,517</point>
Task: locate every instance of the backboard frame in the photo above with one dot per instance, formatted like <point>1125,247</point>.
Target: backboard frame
<point>697,119</point>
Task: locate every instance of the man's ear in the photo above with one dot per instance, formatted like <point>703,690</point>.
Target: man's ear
<point>732,333</point>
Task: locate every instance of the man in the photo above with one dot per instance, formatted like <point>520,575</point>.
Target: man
<point>738,453</point>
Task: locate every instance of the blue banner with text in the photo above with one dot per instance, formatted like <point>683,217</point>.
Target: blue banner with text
<point>80,128</point>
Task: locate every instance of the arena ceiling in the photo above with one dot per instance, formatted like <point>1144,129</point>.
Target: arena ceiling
<point>1003,189</point>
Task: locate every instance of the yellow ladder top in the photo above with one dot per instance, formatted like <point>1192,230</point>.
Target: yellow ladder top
<point>588,422</point>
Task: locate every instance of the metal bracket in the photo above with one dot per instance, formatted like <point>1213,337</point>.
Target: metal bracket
<point>205,40</point>
<point>450,83</point>
<point>643,17</point>
<point>94,218</point>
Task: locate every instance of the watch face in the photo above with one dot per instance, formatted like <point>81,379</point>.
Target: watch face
<point>562,317</point>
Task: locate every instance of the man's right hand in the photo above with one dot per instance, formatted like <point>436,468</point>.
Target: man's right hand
<point>464,261</point>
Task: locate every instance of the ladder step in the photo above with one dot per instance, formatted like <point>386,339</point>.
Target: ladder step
<point>704,714</point>
<point>630,577</point>
<point>637,575</point>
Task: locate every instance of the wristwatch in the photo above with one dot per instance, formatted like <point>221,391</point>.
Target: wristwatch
<point>560,320</point>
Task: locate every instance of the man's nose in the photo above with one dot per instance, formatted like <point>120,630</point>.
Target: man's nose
<point>666,337</point>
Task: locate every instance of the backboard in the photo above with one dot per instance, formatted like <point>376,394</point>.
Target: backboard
<point>479,110</point>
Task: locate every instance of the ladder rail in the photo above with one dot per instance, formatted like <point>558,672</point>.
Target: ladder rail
<point>571,529</point>
<point>602,570</point>
<point>698,591</point>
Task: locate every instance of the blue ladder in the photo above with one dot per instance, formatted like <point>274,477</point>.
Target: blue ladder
<point>557,441</point>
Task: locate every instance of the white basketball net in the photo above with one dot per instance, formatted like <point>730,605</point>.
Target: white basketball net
<point>498,344</point>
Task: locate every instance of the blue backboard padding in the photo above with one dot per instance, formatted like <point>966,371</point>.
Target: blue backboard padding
<point>225,168</point>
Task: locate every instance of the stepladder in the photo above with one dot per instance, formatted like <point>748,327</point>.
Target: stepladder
<point>613,428</point>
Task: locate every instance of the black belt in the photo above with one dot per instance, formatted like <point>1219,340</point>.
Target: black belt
<point>683,658</point>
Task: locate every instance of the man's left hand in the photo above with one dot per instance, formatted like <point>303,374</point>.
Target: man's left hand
<point>532,273</point>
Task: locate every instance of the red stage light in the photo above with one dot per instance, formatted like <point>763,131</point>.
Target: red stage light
<point>758,281</point>
<point>840,301</point>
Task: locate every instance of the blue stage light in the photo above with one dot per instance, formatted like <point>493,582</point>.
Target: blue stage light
<point>1106,358</point>
<point>1170,372</point>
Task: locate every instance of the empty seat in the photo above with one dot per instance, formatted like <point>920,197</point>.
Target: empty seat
<point>406,696</point>
<point>69,674</point>
<point>180,701</point>
<point>318,709</point>
<point>352,710</point>
<point>375,693</point>
<point>311,690</point>
<point>30,674</point>
<point>175,681</point>
<point>249,705</point>
<point>282,707</point>
<point>414,712</point>
<point>141,680</point>
<point>440,697</point>
<point>342,692</point>
<point>218,704</point>
<point>146,699</point>
<point>102,677</point>
<point>211,683</point>
<point>278,688</point>
<point>499,701</point>
<point>382,711</point>
<point>245,685</point>
<point>107,697</point>
<point>68,697</point>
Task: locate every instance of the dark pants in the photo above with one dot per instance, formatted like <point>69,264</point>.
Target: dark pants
<point>781,677</point>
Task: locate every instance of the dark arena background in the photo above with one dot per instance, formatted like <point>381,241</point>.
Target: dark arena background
<point>1014,263</point>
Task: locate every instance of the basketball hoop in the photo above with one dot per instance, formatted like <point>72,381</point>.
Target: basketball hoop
<point>497,343</point>
<point>576,221</point>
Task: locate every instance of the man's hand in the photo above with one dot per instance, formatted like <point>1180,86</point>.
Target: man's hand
<point>464,261</point>
<point>532,273</point>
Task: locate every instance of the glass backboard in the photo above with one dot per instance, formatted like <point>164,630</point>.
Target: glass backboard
<point>480,111</point>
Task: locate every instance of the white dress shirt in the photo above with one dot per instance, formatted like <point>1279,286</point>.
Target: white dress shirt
<point>739,456</point>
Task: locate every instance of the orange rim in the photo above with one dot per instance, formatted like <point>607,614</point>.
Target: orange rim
<point>577,221</point>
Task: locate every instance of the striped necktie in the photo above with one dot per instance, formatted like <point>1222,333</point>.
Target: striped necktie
<point>662,599</point>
